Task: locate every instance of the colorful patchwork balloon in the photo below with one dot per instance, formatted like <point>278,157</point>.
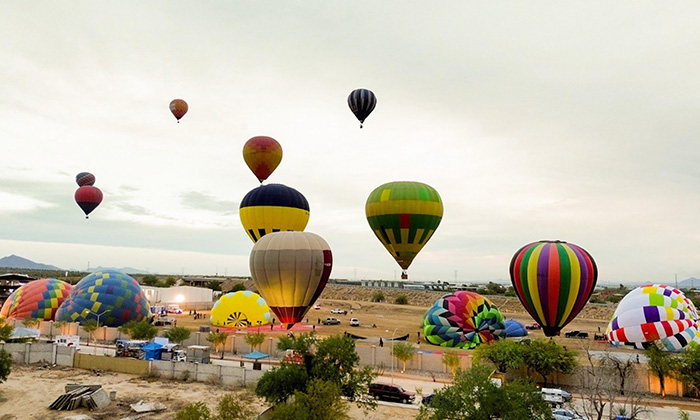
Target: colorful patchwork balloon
<point>240,309</point>
<point>463,319</point>
<point>654,314</point>
<point>553,280</point>
<point>115,295</point>
<point>179,108</point>
<point>273,208</point>
<point>404,216</point>
<point>262,154</point>
<point>85,178</point>
<point>37,299</point>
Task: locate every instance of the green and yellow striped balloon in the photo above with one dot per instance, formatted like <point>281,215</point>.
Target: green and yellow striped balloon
<point>404,215</point>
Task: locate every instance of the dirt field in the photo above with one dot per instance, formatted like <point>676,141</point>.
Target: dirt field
<point>29,391</point>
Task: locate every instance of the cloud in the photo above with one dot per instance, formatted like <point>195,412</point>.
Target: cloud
<point>201,201</point>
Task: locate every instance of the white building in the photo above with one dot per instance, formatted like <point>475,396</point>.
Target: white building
<point>186,297</point>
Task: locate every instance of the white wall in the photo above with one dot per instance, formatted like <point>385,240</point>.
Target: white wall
<point>177,294</point>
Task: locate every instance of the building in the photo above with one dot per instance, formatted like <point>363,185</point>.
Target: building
<point>186,297</point>
<point>10,282</point>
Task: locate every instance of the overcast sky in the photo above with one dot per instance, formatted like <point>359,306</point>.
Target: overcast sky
<point>576,121</point>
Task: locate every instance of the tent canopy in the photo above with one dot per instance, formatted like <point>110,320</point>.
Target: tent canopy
<point>256,355</point>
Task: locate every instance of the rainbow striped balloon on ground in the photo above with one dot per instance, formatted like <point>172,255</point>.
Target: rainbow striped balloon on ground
<point>240,309</point>
<point>404,216</point>
<point>115,295</point>
<point>553,280</point>
<point>37,299</point>
<point>654,314</point>
<point>463,319</point>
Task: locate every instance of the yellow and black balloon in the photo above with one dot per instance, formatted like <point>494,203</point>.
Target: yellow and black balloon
<point>240,309</point>
<point>273,208</point>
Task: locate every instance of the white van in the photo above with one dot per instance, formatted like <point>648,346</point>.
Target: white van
<point>555,396</point>
<point>68,341</point>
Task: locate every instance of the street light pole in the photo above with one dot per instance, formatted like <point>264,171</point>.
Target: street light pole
<point>98,323</point>
<point>392,354</point>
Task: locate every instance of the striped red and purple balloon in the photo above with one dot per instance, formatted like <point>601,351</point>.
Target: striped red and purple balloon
<point>554,280</point>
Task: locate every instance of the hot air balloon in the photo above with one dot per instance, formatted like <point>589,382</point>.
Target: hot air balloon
<point>85,178</point>
<point>179,108</point>
<point>262,155</point>
<point>362,103</point>
<point>37,299</point>
<point>290,270</point>
<point>273,208</point>
<point>240,309</point>
<point>553,280</point>
<point>463,319</point>
<point>88,198</point>
<point>115,295</point>
<point>654,314</point>
<point>515,329</point>
<point>404,216</point>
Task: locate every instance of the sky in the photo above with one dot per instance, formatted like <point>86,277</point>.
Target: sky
<point>538,120</point>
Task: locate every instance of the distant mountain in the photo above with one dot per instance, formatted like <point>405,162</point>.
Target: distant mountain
<point>127,270</point>
<point>14,261</point>
<point>688,283</point>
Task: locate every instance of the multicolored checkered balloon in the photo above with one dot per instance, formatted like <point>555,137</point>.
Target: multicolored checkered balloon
<point>37,299</point>
<point>463,319</point>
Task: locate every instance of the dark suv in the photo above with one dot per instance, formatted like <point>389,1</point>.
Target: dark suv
<point>391,392</point>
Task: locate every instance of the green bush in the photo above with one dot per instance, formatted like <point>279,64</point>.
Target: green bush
<point>401,299</point>
<point>194,411</point>
<point>378,297</point>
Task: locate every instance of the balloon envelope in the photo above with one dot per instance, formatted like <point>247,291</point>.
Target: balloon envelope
<point>654,314</point>
<point>85,178</point>
<point>404,216</point>
<point>37,299</point>
<point>273,208</point>
<point>290,270</point>
<point>88,198</point>
<point>362,103</point>
<point>240,309</point>
<point>553,281</point>
<point>109,290</point>
<point>463,319</point>
<point>515,329</point>
<point>179,108</point>
<point>262,155</point>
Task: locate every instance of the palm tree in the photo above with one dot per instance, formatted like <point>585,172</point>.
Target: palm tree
<point>254,340</point>
<point>451,360</point>
<point>177,334</point>
<point>61,325</point>
<point>404,352</point>
<point>31,322</point>
<point>90,326</point>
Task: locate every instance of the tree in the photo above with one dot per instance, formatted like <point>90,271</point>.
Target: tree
<point>278,384</point>
<point>5,330</point>
<point>126,328</point>
<point>194,411</point>
<point>504,354</point>
<point>661,364</point>
<point>689,368</point>
<point>90,326</point>
<point>218,340</point>
<point>404,352</point>
<point>254,339</point>
<point>623,368</point>
<point>177,334</point>
<point>378,297</point>
<point>60,325</point>
<point>401,299</point>
<point>231,408</point>
<point>31,322</point>
<point>149,280</point>
<point>320,401</point>
<point>546,357</point>
<point>450,358</point>
<point>5,365</point>
<point>337,361</point>
<point>301,343</point>
<point>142,330</point>
<point>170,281</point>
<point>214,285</point>
<point>237,287</point>
<point>473,396</point>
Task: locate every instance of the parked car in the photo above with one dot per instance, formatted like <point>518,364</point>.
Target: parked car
<point>391,392</point>
<point>576,334</point>
<point>331,321</point>
<point>427,400</point>
<point>337,311</point>
<point>317,307</point>
<point>555,396</point>
<point>533,326</point>
<point>565,414</point>
<point>354,322</point>
<point>164,320</point>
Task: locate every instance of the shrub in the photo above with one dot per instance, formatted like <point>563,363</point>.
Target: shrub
<point>194,411</point>
<point>401,299</point>
<point>378,297</point>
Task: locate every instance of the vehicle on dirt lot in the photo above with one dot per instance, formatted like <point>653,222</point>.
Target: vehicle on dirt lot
<point>354,322</point>
<point>337,311</point>
<point>555,396</point>
<point>164,320</point>
<point>576,334</point>
<point>331,321</point>
<point>317,306</point>
<point>391,392</point>
<point>533,326</point>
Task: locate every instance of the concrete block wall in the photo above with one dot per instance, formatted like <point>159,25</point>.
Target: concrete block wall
<point>27,353</point>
